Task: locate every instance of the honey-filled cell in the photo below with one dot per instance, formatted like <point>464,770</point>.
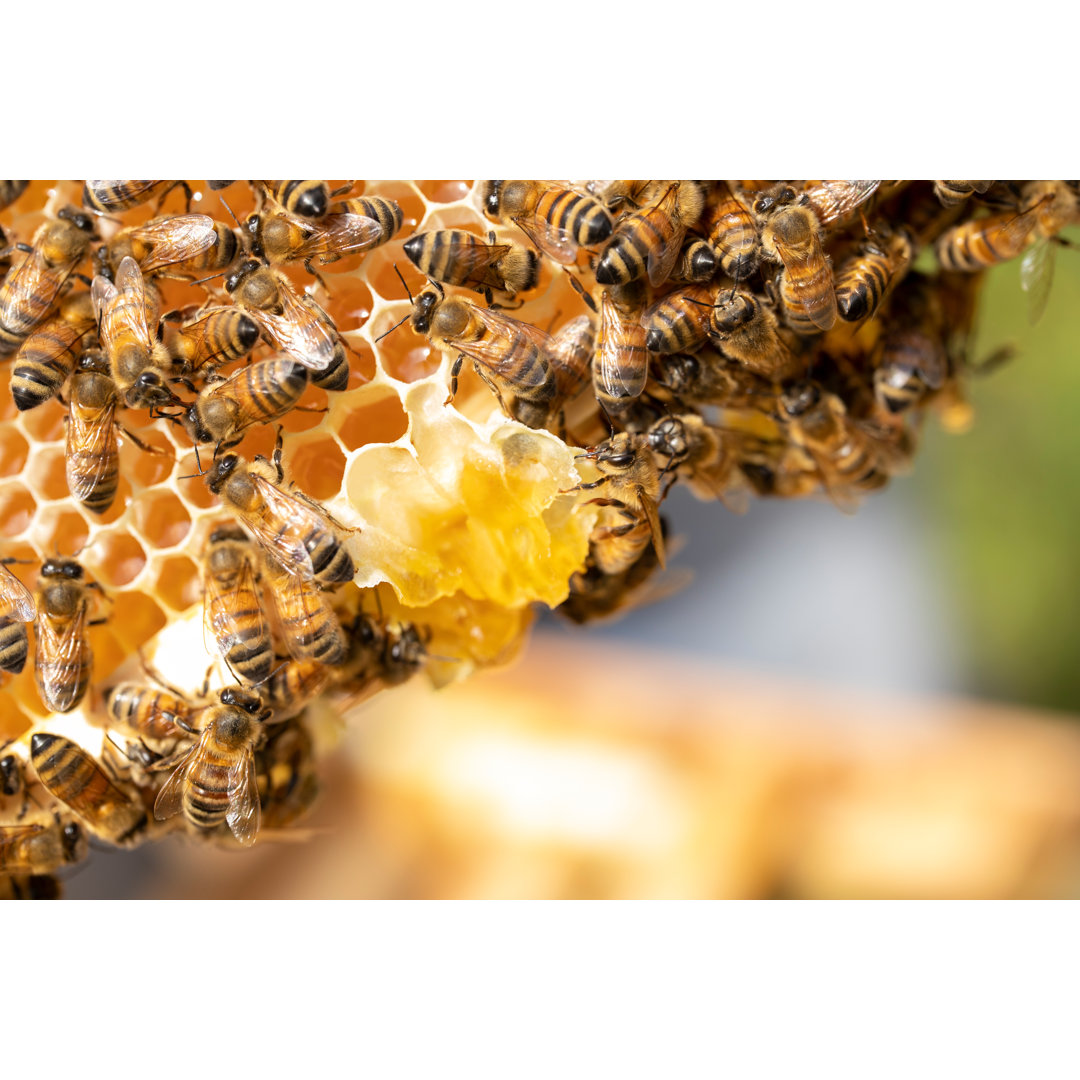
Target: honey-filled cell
<point>381,275</point>
<point>162,519</point>
<point>47,474</point>
<point>61,528</point>
<point>178,582</point>
<point>405,195</point>
<point>45,423</point>
<point>14,451</point>
<point>349,304</point>
<point>317,467</point>
<point>444,191</point>
<point>382,421</point>
<point>135,619</point>
<point>17,508</point>
<point>144,467</point>
<point>192,487</point>
<point>118,558</point>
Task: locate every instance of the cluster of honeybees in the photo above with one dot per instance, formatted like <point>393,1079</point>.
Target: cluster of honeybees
<point>768,338</point>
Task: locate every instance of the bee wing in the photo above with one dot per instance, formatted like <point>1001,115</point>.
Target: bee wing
<point>281,527</point>
<point>131,315</point>
<point>571,351</point>
<point>171,796</point>
<point>820,304</point>
<point>16,600</point>
<point>1036,277</point>
<point>341,234</point>
<point>663,257</point>
<point>652,516</point>
<point>91,434</point>
<point>220,611</point>
<point>298,331</point>
<point>616,336</point>
<point>175,239</point>
<point>34,277</point>
<point>65,650</point>
<point>834,200</point>
<point>243,813</point>
<point>297,596</point>
<point>498,350</point>
<point>556,243</point>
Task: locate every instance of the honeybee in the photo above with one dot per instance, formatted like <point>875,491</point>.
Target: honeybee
<point>256,394</point>
<point>216,336</point>
<point>109,196</point>
<point>695,450</point>
<point>156,717</point>
<point>193,242</point>
<point>629,472</point>
<point>746,330</point>
<point>1058,206</point>
<point>285,767</point>
<point>697,263</point>
<point>30,887</point>
<point>649,240</point>
<point>232,614</point>
<point>296,324</point>
<point>791,234</point>
<point>912,364</point>
<point>571,355</point>
<point>294,532</point>
<point>91,460</point>
<point>702,377</point>
<point>10,190</point>
<point>17,608</point>
<point>863,280</point>
<point>63,658</point>
<point>734,237</point>
<point>846,459</point>
<point>508,355</point>
<point>982,242</point>
<point>456,257</point>
<point>954,192</point>
<point>40,849</point>
<point>71,775</point>
<point>138,361</point>
<point>404,652</point>
<point>309,627</point>
<point>30,289</point>
<point>621,363</point>
<point>680,321</point>
<point>215,781</point>
<point>834,201</point>
<point>308,198</point>
<point>47,357</point>
<point>293,684</point>
<point>351,226</point>
<point>558,220</point>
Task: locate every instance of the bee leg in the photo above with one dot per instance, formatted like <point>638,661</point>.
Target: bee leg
<point>493,388</point>
<point>318,277</point>
<point>347,186</point>
<point>455,371</point>
<point>26,249</point>
<point>165,195</point>
<point>590,303</point>
<point>141,445</point>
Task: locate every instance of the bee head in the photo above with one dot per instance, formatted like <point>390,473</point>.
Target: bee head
<point>775,197</point>
<point>77,218</point>
<point>800,398</point>
<point>220,471</point>
<point>424,309</point>
<point>251,233</point>
<point>242,698</point>
<point>668,437</point>
<point>195,428</point>
<point>247,267</point>
<point>62,568</point>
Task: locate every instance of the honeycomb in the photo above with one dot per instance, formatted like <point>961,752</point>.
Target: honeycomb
<point>459,519</point>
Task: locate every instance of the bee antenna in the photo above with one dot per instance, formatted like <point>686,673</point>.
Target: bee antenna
<point>438,286</point>
<point>231,214</point>
<point>408,291</point>
<point>395,326</point>
<point>202,281</point>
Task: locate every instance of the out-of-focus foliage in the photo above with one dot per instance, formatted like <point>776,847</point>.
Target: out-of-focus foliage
<point>1005,497</point>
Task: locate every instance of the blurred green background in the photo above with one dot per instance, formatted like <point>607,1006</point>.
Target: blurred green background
<point>1001,499</point>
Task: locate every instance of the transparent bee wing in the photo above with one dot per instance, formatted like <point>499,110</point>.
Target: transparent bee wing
<point>619,341</point>
<point>170,799</point>
<point>129,314</point>
<point>801,265</point>
<point>663,257</point>
<point>299,600</point>
<point>91,435</point>
<point>556,243</point>
<point>175,239</point>
<point>65,651</point>
<point>298,330</point>
<point>281,526</point>
<point>102,294</point>
<point>571,352</point>
<point>341,234</point>
<point>243,814</point>
<point>1037,276</point>
<point>652,516</point>
<point>34,277</point>
<point>16,600</point>
<point>220,610</point>
<point>834,200</point>
<point>504,347</point>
